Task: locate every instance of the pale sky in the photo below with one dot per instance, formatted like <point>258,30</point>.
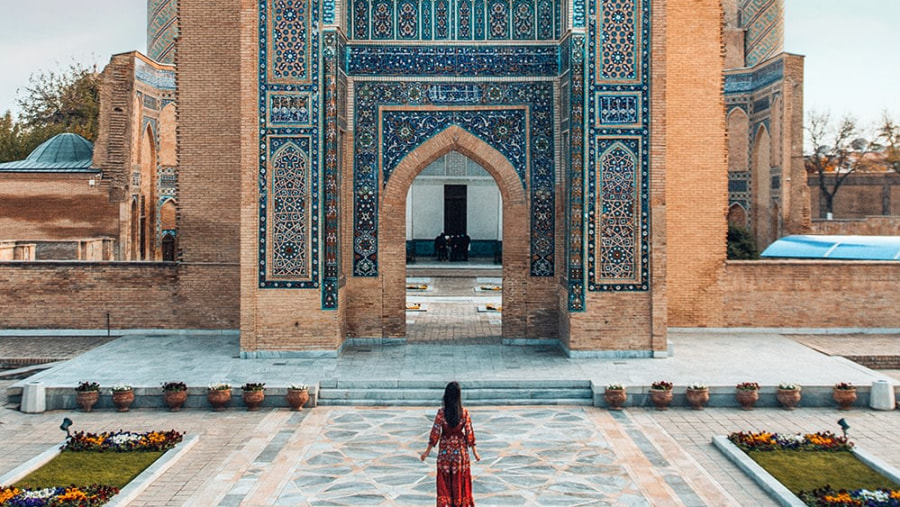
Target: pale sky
<point>850,47</point>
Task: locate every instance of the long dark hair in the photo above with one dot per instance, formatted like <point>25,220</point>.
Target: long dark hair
<point>452,404</point>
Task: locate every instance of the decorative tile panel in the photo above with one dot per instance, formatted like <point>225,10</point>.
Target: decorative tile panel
<point>162,30</point>
<point>394,118</point>
<point>618,228</point>
<point>457,20</point>
<point>368,60</point>
<point>290,166</point>
<point>619,109</point>
<point>332,47</point>
<point>289,209</point>
<point>289,52</point>
<point>620,47</point>
<point>290,109</point>
<point>576,184</point>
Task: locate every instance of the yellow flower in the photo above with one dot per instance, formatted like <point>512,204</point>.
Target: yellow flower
<point>72,494</point>
<point>7,493</point>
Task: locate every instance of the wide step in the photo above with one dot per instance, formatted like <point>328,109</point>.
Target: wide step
<point>429,393</point>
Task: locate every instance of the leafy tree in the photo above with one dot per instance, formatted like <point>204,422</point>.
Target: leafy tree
<point>741,244</point>
<point>12,146</point>
<point>53,102</point>
<point>57,102</point>
<point>837,151</point>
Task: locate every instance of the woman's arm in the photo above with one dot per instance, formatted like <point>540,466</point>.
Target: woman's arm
<point>427,452</point>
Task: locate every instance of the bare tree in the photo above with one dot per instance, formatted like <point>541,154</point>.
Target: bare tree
<point>890,133</point>
<point>838,151</point>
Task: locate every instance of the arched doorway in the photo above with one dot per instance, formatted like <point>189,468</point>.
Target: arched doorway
<point>515,228</point>
<point>454,293</point>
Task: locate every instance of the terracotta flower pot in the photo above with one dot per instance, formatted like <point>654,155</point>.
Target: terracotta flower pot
<point>218,399</point>
<point>845,398</point>
<point>747,398</point>
<point>697,398</point>
<point>123,400</point>
<point>296,398</point>
<point>253,399</point>
<point>661,398</point>
<point>615,398</point>
<point>789,398</point>
<point>86,399</point>
<point>175,399</point>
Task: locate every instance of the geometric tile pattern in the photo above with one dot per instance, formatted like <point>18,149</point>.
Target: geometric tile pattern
<point>763,21</point>
<point>573,103</point>
<point>162,30</point>
<point>332,48</point>
<point>618,179</point>
<point>395,117</point>
<point>530,456</point>
<point>455,60</point>
<point>289,158</point>
<point>457,20</point>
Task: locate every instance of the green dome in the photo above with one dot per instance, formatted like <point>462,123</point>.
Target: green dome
<point>62,149</point>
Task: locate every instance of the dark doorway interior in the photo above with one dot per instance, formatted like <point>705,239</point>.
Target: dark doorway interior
<point>455,209</point>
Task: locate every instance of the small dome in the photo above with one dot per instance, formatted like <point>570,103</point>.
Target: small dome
<point>63,148</point>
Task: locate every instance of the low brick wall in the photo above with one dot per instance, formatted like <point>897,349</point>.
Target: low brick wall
<point>818,294</point>
<point>79,295</point>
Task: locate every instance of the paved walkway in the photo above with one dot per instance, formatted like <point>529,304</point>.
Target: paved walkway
<point>368,456</point>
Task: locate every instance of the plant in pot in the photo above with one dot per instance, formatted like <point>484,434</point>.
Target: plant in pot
<point>122,396</point>
<point>697,395</point>
<point>788,395</point>
<point>615,396</point>
<point>175,395</point>
<point>218,395</point>
<point>747,394</point>
<point>844,394</point>
<point>297,396</point>
<point>86,395</point>
<point>661,394</point>
<point>253,394</point>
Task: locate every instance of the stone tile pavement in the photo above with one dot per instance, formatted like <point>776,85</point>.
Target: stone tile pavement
<point>531,455</point>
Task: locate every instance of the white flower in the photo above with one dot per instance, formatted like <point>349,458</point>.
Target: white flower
<point>300,387</point>
<point>698,386</point>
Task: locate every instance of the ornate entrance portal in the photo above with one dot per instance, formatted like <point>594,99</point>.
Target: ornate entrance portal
<point>357,98</point>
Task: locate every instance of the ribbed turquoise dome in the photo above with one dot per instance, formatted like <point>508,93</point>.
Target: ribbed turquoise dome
<point>62,149</point>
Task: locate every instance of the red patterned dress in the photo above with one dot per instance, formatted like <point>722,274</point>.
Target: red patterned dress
<point>454,478</point>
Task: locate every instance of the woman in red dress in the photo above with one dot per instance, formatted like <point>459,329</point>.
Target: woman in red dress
<point>453,429</point>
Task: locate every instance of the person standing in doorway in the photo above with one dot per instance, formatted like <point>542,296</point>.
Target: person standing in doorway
<point>452,429</point>
<point>440,246</point>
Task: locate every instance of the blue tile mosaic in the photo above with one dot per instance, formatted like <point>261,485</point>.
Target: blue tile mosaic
<point>515,118</point>
<point>482,61</point>
<point>618,182</point>
<point>456,20</point>
<point>289,158</point>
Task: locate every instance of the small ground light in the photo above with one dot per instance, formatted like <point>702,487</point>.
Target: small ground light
<point>844,426</point>
<point>66,423</point>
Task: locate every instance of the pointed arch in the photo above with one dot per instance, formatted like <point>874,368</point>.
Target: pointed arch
<point>761,179</point>
<point>148,192</point>
<point>737,215</point>
<point>515,227</point>
<point>738,131</point>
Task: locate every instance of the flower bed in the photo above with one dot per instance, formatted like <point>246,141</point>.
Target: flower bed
<point>86,496</point>
<point>808,465</point>
<point>89,444</point>
<point>860,497</point>
<point>764,441</point>
<point>123,441</point>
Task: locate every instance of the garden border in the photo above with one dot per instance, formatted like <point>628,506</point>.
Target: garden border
<point>777,490</point>
<point>126,494</point>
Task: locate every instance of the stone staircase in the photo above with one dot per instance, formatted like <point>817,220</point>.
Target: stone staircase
<point>475,393</point>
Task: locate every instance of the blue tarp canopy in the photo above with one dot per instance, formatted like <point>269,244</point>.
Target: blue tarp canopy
<point>864,248</point>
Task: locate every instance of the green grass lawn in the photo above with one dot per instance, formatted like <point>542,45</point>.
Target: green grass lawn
<point>809,470</point>
<point>89,467</point>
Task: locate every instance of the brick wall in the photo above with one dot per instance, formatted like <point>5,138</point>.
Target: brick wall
<point>695,162</point>
<point>78,295</point>
<point>818,294</point>
<point>869,226</point>
<point>53,207</point>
